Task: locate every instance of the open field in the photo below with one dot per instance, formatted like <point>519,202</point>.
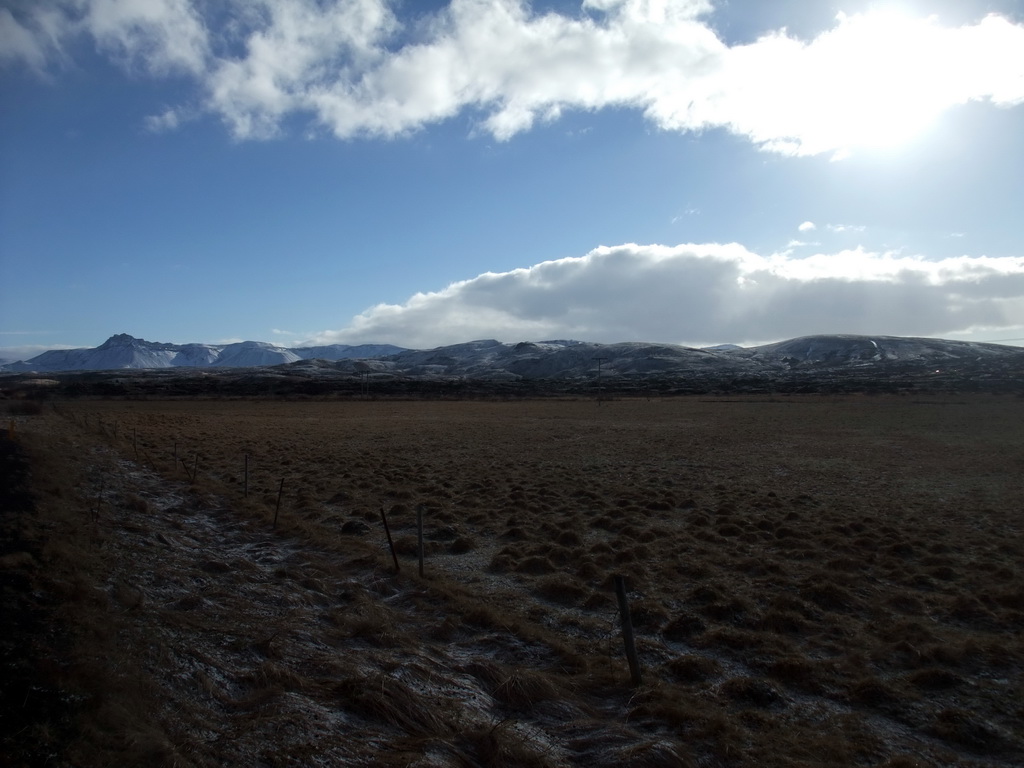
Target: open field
<point>813,580</point>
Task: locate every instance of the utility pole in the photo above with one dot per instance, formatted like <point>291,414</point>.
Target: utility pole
<point>599,361</point>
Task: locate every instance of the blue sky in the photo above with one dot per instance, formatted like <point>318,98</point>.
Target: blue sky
<point>423,173</point>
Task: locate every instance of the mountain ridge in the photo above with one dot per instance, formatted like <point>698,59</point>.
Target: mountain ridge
<point>496,361</point>
<point>123,351</point>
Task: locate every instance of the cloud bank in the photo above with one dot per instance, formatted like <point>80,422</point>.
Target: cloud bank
<point>705,294</point>
<point>355,69</point>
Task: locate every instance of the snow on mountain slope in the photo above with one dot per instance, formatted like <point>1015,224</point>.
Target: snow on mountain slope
<point>848,349</point>
<point>494,360</point>
<point>196,355</point>
<point>553,360</point>
<point>488,359</point>
<point>120,351</point>
<point>125,351</point>
<point>346,352</point>
<point>250,354</point>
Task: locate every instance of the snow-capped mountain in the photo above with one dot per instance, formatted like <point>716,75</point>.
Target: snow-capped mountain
<point>120,351</point>
<point>253,354</point>
<point>123,351</point>
<point>345,351</point>
<point>490,359</point>
<point>863,350</point>
<point>496,361</point>
<point>196,356</point>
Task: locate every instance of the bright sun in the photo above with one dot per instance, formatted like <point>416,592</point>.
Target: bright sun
<point>883,77</point>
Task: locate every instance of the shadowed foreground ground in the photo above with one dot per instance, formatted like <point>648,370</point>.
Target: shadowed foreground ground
<point>813,581</point>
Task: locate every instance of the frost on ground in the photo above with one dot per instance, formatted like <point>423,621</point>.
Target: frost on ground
<point>812,581</point>
<point>266,651</point>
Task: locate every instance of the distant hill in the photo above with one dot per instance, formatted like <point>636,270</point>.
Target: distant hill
<point>562,361</point>
<point>123,351</point>
<point>499,361</point>
<point>867,350</point>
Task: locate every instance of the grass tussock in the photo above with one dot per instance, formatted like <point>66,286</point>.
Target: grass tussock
<point>498,745</point>
<point>391,701</point>
<point>692,668</point>
<point>515,687</point>
<point>772,582</point>
<point>560,588</point>
<point>752,692</point>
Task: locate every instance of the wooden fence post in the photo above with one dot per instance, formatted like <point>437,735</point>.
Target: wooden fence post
<point>245,485</point>
<point>627,630</point>
<point>391,544</point>
<point>419,535</point>
<point>277,509</point>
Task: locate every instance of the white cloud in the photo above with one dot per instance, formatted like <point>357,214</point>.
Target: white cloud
<point>353,68</point>
<point>700,294</point>
<point>874,79</point>
<point>303,56</point>
<point>158,36</point>
<point>846,227</point>
<point>807,226</point>
<point>167,120</point>
<point>21,43</point>
<point>688,212</point>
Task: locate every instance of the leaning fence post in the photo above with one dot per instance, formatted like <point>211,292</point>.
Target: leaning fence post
<point>391,544</point>
<point>627,630</point>
<point>419,535</point>
<point>277,509</point>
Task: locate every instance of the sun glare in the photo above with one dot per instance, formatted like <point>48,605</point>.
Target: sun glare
<point>884,77</point>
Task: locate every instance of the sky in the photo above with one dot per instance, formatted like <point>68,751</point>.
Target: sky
<point>421,173</point>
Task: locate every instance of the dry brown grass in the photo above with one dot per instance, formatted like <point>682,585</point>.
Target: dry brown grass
<point>811,579</point>
<point>99,712</point>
